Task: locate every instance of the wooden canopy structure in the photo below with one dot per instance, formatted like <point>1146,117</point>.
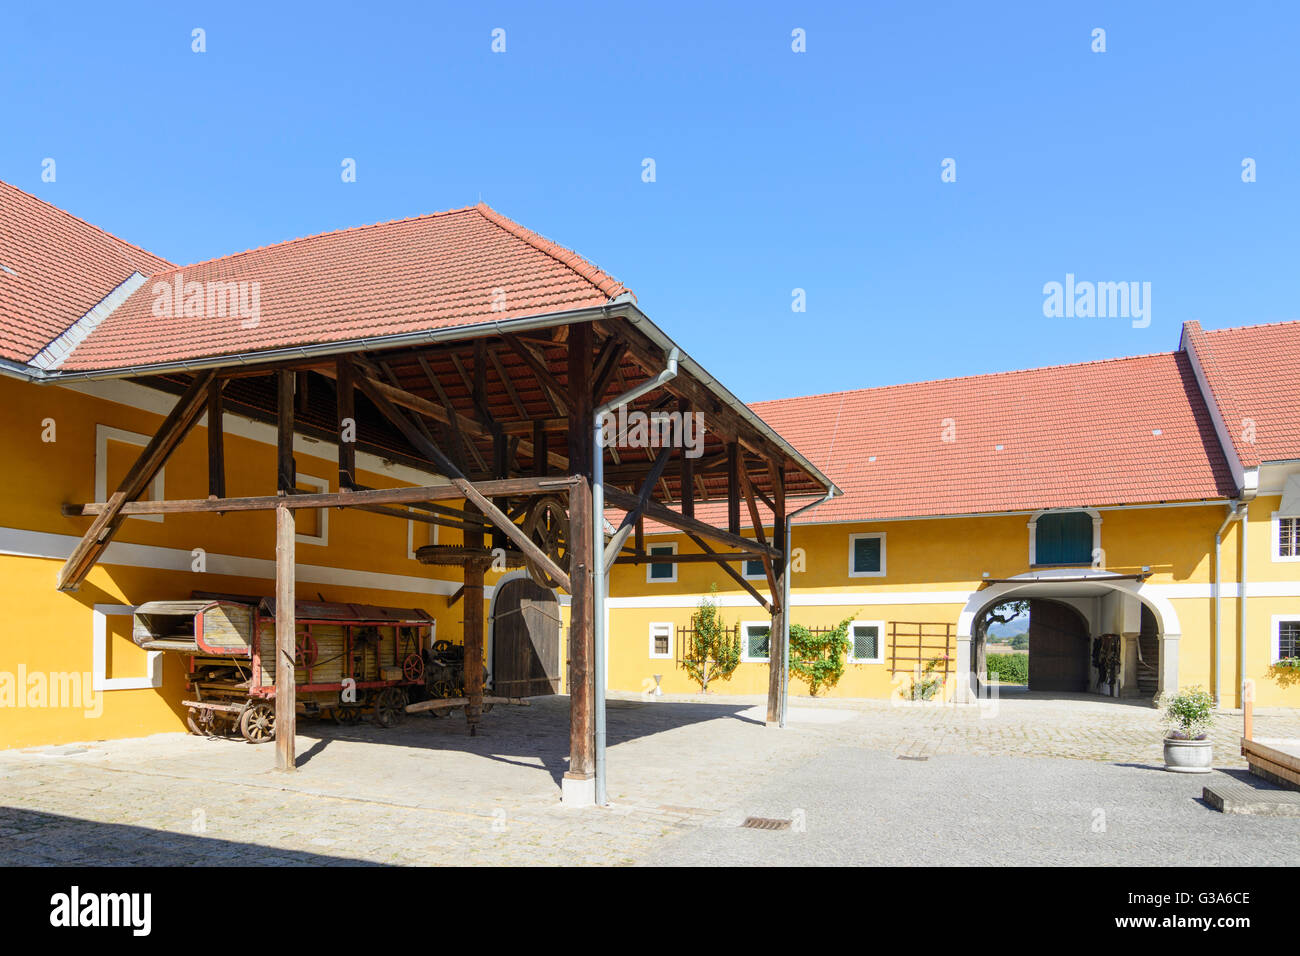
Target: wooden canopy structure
<point>500,414</point>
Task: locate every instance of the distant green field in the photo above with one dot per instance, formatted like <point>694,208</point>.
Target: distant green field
<point>1009,668</point>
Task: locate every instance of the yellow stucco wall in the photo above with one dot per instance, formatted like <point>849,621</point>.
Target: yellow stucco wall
<point>934,566</point>
<point>44,632</point>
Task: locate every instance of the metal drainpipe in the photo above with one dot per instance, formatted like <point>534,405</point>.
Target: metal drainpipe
<point>1241,604</point>
<point>598,559</point>
<point>1233,514</point>
<point>785,606</point>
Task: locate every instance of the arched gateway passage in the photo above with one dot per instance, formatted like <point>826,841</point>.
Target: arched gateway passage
<point>1075,607</point>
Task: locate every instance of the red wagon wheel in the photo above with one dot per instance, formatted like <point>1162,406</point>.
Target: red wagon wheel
<point>305,651</point>
<point>413,668</point>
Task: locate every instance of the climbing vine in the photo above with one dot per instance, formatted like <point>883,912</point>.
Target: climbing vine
<point>714,653</point>
<point>817,657</point>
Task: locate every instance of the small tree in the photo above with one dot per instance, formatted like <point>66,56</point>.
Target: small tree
<point>713,654</point>
<point>818,659</point>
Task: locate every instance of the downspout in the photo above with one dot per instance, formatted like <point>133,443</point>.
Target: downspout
<point>1241,604</point>
<point>598,553</point>
<point>785,604</point>
<point>1234,514</point>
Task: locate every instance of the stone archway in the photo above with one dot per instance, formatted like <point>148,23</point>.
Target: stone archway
<point>1054,585</point>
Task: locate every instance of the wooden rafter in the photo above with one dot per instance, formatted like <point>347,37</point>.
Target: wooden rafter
<point>173,430</point>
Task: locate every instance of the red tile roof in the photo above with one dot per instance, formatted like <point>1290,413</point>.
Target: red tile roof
<point>54,268</point>
<point>432,271</point>
<point>1254,375</point>
<point>1067,436</point>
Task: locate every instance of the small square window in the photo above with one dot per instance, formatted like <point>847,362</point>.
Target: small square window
<point>1288,537</point>
<point>866,555</point>
<point>866,643</point>
<point>661,640</point>
<point>311,525</point>
<point>663,573</point>
<point>755,641</point>
<point>419,534</point>
<point>1287,638</point>
<point>754,570</point>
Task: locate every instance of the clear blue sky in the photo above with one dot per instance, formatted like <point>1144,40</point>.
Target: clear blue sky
<point>775,170</point>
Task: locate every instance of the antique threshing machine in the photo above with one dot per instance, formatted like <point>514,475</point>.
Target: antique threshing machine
<point>349,658</point>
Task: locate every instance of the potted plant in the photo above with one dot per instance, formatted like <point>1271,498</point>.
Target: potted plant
<point>1187,744</point>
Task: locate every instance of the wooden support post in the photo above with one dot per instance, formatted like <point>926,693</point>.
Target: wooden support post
<point>286,471</point>
<point>347,423</point>
<point>733,487</point>
<point>500,469</point>
<point>582,677</point>
<point>688,468</point>
<point>216,443</point>
<point>579,785</point>
<point>777,663</point>
<point>285,641</point>
<point>473,591</point>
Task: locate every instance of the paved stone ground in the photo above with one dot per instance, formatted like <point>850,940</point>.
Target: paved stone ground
<point>684,773</point>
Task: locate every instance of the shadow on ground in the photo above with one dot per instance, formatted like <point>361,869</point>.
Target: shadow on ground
<point>33,838</point>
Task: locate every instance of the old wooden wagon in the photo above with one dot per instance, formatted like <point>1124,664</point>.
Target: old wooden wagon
<point>349,658</point>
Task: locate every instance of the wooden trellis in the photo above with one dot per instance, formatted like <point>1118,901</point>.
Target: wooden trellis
<point>913,645</point>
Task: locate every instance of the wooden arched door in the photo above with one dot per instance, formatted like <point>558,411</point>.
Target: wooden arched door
<point>1059,647</point>
<point>525,639</point>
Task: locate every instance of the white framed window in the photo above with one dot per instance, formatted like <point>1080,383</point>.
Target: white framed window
<point>867,642</point>
<point>1066,537</point>
<point>755,640</point>
<point>1286,537</point>
<point>867,555</point>
<point>112,461</point>
<point>1286,636</point>
<point>661,640</point>
<point>664,573</point>
<point>312,524</point>
<point>753,570</point>
<point>419,534</point>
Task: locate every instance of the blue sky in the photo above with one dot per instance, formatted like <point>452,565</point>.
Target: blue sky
<point>775,170</point>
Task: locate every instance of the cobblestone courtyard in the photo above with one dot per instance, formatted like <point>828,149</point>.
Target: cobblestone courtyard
<point>1077,779</point>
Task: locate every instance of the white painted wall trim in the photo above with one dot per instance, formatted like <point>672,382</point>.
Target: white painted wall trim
<point>1096,533</point>
<point>40,544</point>
<point>99,679</point>
<point>880,643</point>
<point>322,486</point>
<point>661,627</point>
<point>1275,551</point>
<point>103,435</point>
<point>160,403</point>
<point>853,540</point>
<point>1277,633</point>
<point>1171,592</point>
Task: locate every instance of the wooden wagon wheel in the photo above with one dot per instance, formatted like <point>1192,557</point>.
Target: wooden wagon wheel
<point>548,525</point>
<point>199,721</point>
<point>346,715</point>
<point>413,668</point>
<point>257,723</point>
<point>305,651</point>
<point>390,707</point>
